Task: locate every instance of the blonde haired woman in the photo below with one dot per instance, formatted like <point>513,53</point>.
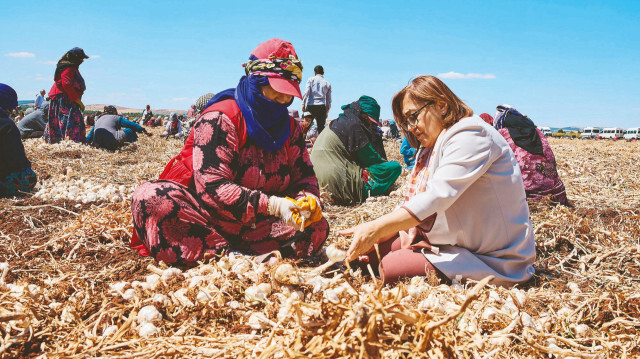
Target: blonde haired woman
<point>465,211</point>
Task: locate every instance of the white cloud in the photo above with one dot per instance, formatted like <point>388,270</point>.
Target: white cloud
<point>51,62</point>
<point>457,75</point>
<point>180,99</point>
<point>94,56</point>
<point>20,54</point>
<point>42,78</point>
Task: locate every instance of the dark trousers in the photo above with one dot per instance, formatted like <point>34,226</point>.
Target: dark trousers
<point>319,113</point>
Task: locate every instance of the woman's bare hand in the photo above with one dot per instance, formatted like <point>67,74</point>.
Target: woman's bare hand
<point>365,236</point>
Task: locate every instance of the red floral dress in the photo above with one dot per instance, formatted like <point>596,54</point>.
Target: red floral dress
<point>226,209</point>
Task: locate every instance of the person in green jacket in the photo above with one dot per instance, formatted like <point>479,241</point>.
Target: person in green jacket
<point>349,159</point>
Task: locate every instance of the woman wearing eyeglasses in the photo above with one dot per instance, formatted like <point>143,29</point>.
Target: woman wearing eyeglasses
<point>349,159</point>
<point>465,211</point>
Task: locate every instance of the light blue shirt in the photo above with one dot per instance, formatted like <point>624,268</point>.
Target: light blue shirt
<point>39,101</point>
<point>317,92</point>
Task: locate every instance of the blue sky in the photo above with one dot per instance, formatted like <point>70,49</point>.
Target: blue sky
<point>563,63</point>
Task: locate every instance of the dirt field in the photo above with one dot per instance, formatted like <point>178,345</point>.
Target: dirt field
<point>73,288</point>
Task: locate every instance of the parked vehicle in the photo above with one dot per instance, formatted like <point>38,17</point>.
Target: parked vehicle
<point>545,130</point>
<point>590,132</point>
<point>632,134</point>
<point>612,133</point>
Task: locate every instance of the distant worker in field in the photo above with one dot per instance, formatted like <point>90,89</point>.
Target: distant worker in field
<point>465,210</point>
<point>349,158</point>
<point>187,125</point>
<point>317,97</point>
<point>33,124</point>
<point>111,131</point>
<point>147,114</point>
<point>173,127</point>
<point>65,119</point>
<point>535,157</point>
<point>408,153</point>
<point>16,176</point>
<point>310,128</point>
<point>39,99</point>
<point>243,180</point>
<point>192,111</point>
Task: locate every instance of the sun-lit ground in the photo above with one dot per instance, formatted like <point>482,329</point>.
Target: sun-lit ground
<point>73,288</point>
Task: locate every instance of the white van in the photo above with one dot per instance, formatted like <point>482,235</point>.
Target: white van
<point>612,133</point>
<point>632,134</point>
<point>590,132</point>
<point>545,130</point>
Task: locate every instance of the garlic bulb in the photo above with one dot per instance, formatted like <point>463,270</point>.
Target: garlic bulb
<point>161,300</point>
<point>286,274</point>
<point>254,294</point>
<point>509,308</point>
<point>170,273</point>
<point>581,330</point>
<point>416,291</point>
<point>110,330</point>
<point>153,280</point>
<point>147,330</point>
<point>118,287</point>
<point>203,297</point>
<point>489,313</point>
<point>335,255</point>
<point>241,267</point>
<point>526,320</point>
<point>129,294</point>
<point>149,314</point>
<point>265,288</point>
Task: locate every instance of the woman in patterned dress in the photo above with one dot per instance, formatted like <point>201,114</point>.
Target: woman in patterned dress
<point>535,157</point>
<point>65,119</point>
<point>232,186</point>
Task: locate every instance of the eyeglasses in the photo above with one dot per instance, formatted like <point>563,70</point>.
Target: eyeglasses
<point>412,120</point>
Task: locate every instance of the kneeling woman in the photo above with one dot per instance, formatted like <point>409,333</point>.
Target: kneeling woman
<point>111,131</point>
<point>535,157</point>
<point>465,211</point>
<point>350,159</point>
<point>227,189</point>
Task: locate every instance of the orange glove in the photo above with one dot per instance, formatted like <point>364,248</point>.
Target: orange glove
<point>309,209</point>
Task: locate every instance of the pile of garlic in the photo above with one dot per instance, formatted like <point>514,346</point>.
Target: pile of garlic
<point>61,146</point>
<point>70,187</point>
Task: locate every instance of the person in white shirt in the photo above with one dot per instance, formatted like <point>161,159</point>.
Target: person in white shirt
<point>465,210</point>
<point>317,97</point>
<point>39,100</point>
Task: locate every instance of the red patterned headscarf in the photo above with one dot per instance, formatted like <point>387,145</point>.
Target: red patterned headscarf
<point>487,118</point>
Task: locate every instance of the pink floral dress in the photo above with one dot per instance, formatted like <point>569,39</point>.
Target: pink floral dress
<point>227,207</point>
<point>539,173</point>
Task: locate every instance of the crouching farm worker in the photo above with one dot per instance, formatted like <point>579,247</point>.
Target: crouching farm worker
<point>16,176</point>
<point>535,157</point>
<point>243,179</point>
<point>465,211</point>
<point>33,124</point>
<point>173,128</point>
<point>111,131</point>
<point>350,159</point>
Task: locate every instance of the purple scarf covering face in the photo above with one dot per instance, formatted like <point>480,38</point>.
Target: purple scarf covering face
<point>268,123</point>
